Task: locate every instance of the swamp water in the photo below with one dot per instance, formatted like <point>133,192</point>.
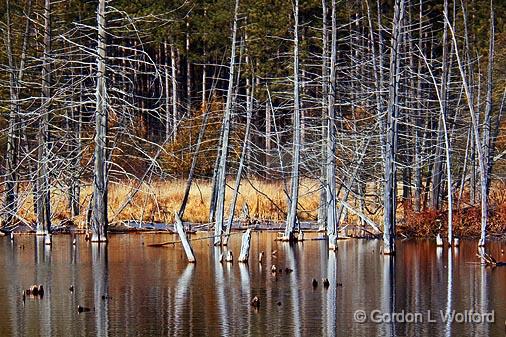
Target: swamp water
<point>153,291</point>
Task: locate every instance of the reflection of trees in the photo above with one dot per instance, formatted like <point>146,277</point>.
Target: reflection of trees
<point>484,305</point>
<point>331,319</point>
<point>388,293</point>
<point>246,291</point>
<point>220,292</point>
<point>294,289</point>
<point>181,296</point>
<point>100,271</point>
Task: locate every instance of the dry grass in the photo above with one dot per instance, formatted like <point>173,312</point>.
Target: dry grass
<point>158,202</point>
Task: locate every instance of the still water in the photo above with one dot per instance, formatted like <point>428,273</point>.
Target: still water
<point>154,292</point>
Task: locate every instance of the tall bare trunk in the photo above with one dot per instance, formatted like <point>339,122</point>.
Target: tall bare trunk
<point>174,91</point>
<point>43,137</point>
<point>100,183</point>
<point>389,201</point>
<point>294,193</point>
<point>332,221</point>
<point>10,202</point>
<point>222,170</point>
<point>322,209</point>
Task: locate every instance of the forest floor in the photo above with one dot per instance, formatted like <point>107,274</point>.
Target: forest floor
<point>266,202</point>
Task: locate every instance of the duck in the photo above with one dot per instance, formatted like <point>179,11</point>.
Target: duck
<point>314,283</point>
<point>326,282</point>
<point>274,269</point>
<point>288,270</point>
<point>33,290</point>
<point>71,288</point>
<point>229,257</point>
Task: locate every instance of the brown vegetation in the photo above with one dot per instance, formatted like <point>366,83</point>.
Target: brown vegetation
<point>266,201</point>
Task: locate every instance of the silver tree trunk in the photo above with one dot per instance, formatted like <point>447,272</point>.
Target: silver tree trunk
<point>100,186</point>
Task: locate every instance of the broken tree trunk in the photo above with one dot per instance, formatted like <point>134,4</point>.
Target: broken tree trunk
<point>184,240</point>
<point>245,245</point>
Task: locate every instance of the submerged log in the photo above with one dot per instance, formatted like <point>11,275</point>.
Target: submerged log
<point>439,240</point>
<point>489,260</point>
<point>456,242</point>
<point>229,257</point>
<point>80,309</point>
<point>35,290</point>
<point>184,240</point>
<point>245,245</point>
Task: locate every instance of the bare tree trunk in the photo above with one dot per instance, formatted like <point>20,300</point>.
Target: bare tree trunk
<point>322,209</point>
<point>241,165</point>
<point>188,72</point>
<point>174,91</point>
<point>10,202</point>
<point>487,139</point>
<point>418,120</point>
<point>484,175</point>
<point>332,221</point>
<point>100,183</point>
<point>193,164</point>
<point>268,136</point>
<point>294,196</point>
<point>221,181</point>
<point>43,189</point>
<point>167,90</point>
<point>389,201</point>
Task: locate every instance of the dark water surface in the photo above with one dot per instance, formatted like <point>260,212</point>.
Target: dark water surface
<point>155,292</point>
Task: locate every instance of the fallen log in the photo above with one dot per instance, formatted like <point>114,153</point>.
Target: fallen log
<point>489,260</point>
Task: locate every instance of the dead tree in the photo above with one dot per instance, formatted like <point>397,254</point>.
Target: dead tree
<point>322,210</point>
<point>10,204</point>
<point>43,136</point>
<point>233,204</point>
<point>100,183</point>
<point>222,166</point>
<point>389,198</point>
<point>332,220</point>
<point>294,193</point>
